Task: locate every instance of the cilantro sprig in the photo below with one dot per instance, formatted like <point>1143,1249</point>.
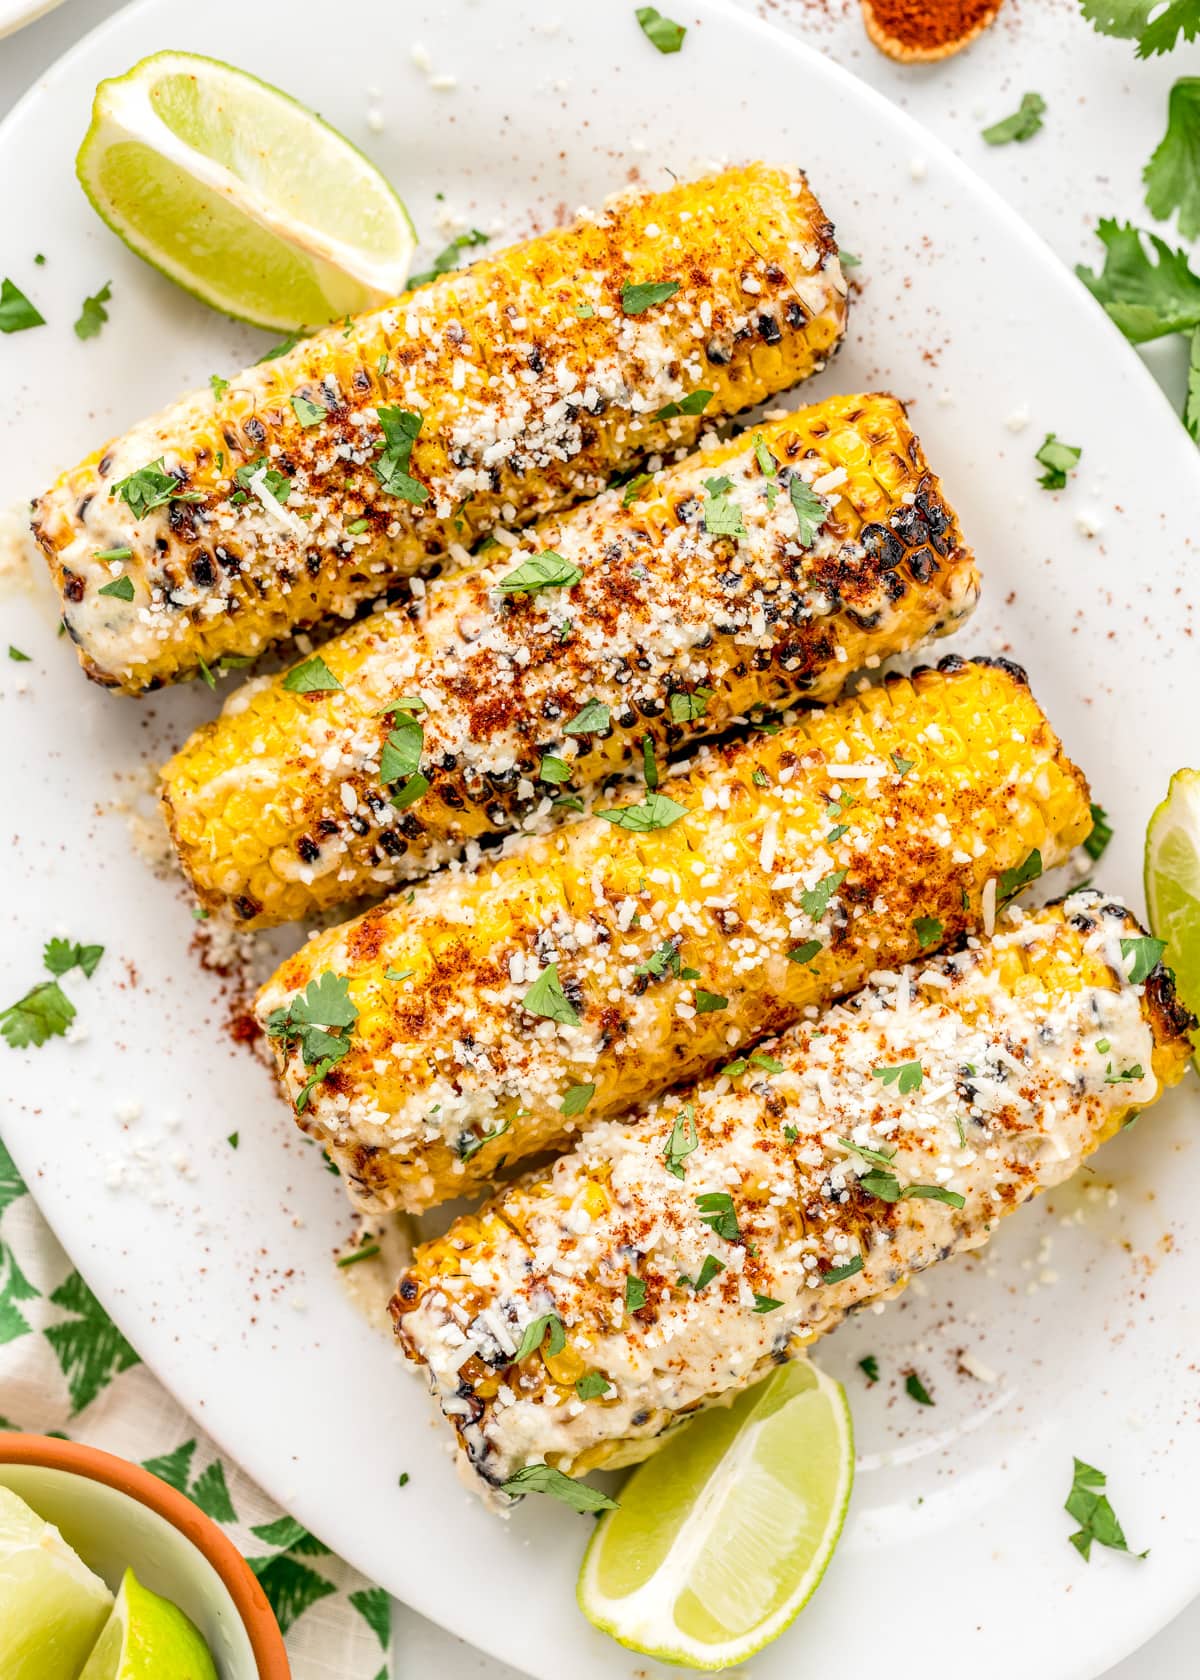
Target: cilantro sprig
<point>319,1022</point>
<point>46,1011</point>
<point>1155,28</point>
<point>151,487</point>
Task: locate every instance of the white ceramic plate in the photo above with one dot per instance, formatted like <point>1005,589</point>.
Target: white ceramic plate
<point>956,1549</point>
<point>15,14</point>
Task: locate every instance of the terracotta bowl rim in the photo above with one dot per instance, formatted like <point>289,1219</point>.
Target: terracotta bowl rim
<point>258,1619</point>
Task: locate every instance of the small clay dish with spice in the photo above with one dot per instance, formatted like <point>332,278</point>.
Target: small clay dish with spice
<point>924,31</point>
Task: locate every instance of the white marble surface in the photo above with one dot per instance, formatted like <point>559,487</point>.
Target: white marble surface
<point>1106,112</point>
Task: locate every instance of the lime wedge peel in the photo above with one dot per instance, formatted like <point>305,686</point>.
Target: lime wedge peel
<point>1173,883</point>
<point>148,1638</point>
<point>723,1537</point>
<point>51,1604</point>
<point>241,195</point>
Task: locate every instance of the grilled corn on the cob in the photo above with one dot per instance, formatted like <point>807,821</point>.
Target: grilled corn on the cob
<point>314,481</point>
<point>479,1015</point>
<point>672,1259</point>
<point>278,808</point>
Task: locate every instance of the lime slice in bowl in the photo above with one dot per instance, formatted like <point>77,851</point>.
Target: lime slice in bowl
<point>722,1538</point>
<point>242,195</point>
<point>51,1605</point>
<point>1173,883</point>
<point>148,1638</point>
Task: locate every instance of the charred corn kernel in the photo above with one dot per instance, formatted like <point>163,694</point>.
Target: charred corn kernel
<point>975,1081</point>
<point>611,963</point>
<point>676,631</point>
<point>316,480</point>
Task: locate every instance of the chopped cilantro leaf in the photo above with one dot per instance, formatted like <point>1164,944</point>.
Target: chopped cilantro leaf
<point>633,490</point>
<point>233,1139</point>
<point>447,257</point>
<point>928,931</point>
<point>416,787</point>
<point>687,708</point>
<point>1128,1076</point>
<point>309,413</point>
<point>1088,1504</point>
<point>710,1267</point>
<point>767,464</point>
<point>401,755</point>
<point>44,1012</point>
<point>312,677</point>
<point>635,1293</point>
<point>869,1368</point>
<point>718,1213</point>
<point>708,1003</point>
<point>1097,841</point>
<point>547,1329</point>
<point>815,900</point>
<point>556,771</point>
<point>544,1478</point>
<point>592,718</point>
<point>663,32</point>
<point>1146,954</point>
<point>905,1076</point>
<point>810,510</point>
<point>547,998</point>
<point>219,385</point>
<point>92,314</point>
<point>916,1390</point>
<point>1024,123</point>
<point>258,474</point>
<point>576,1098</point>
<point>765,1303</point>
<point>1012,880</point>
<point>1058,459</point>
<point>591,1386</point>
<point>546,570</point>
<point>655,811</point>
<point>469,1144</point>
<point>806,952</point>
<point>17,314</point>
<point>121,587</point>
<point>839,1274</point>
<point>15,654</point>
<point>649,767</point>
<point>694,403</point>
<point>902,765</point>
<point>722,515</point>
<point>280,349</point>
<point>636,299</point>
<point>682,1142</point>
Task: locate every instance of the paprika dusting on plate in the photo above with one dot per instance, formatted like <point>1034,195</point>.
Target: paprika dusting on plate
<point>917,31</point>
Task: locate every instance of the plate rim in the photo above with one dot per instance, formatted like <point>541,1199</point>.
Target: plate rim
<point>1070,289</point>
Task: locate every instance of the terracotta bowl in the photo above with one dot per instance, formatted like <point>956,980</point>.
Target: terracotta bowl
<point>117,1515</point>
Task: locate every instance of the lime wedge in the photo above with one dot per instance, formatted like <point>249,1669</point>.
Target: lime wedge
<point>241,195</point>
<point>51,1605</point>
<point>722,1538</point>
<point>1173,883</point>
<point>148,1638</point>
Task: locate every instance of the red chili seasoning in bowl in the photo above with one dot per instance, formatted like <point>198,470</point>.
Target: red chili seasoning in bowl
<point>915,31</point>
